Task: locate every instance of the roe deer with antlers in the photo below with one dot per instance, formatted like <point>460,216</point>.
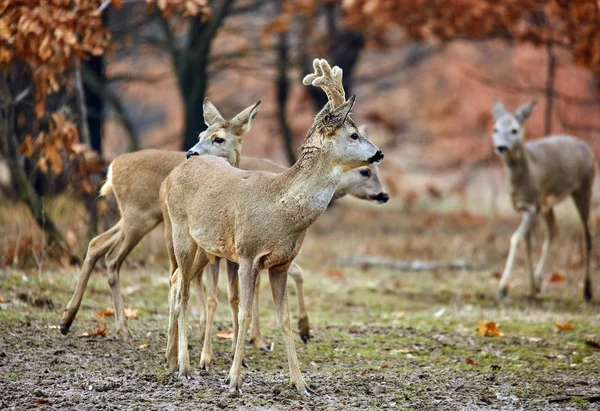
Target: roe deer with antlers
<point>257,219</point>
<point>362,183</point>
<point>540,174</point>
<point>135,180</point>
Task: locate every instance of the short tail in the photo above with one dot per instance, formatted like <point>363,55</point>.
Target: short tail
<point>106,188</point>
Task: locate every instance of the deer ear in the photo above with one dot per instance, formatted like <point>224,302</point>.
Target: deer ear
<point>498,110</point>
<point>336,117</point>
<point>242,123</point>
<point>524,111</point>
<point>211,114</point>
<point>362,129</point>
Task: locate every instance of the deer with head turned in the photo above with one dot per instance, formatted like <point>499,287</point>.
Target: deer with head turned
<point>259,220</point>
<point>541,174</point>
<point>135,180</point>
<point>362,183</point>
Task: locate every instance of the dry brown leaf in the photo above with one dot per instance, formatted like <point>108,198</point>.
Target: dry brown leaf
<point>43,401</point>
<point>100,332</point>
<point>109,312</point>
<point>383,366</point>
<point>556,278</point>
<point>564,326</point>
<point>471,361</point>
<point>488,329</point>
<point>364,372</point>
<point>334,274</point>
<point>225,335</point>
<point>496,275</point>
<point>27,146</point>
<point>130,312</point>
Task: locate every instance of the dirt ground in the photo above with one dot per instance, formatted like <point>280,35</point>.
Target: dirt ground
<point>380,338</point>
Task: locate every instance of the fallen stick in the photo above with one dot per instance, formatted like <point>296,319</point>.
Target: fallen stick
<point>416,265</point>
<point>591,398</point>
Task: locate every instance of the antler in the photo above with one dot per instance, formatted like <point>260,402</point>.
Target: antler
<point>329,80</point>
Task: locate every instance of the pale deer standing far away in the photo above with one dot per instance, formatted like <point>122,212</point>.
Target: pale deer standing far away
<point>540,174</point>
<point>135,180</point>
<point>257,219</point>
<point>362,183</point>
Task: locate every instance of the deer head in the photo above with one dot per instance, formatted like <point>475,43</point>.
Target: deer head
<point>363,182</point>
<point>223,138</point>
<point>509,132</point>
<point>333,129</point>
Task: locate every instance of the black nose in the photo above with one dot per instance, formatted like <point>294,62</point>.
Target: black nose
<point>501,149</point>
<point>190,153</point>
<point>381,197</point>
<point>377,157</point>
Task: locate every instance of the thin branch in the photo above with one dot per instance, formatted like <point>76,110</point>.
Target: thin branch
<point>139,78</point>
<point>93,83</point>
<point>366,261</point>
<point>174,53</point>
<point>83,126</point>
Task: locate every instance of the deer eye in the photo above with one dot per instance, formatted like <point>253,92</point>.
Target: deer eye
<point>365,173</point>
<point>354,136</point>
<point>218,140</point>
<point>514,131</point>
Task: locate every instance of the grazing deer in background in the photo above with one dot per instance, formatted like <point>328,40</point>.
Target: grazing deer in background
<point>540,174</point>
<point>135,179</point>
<point>362,183</point>
<point>257,219</point>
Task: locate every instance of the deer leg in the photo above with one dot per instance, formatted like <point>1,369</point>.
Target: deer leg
<point>550,233</point>
<point>233,291</point>
<point>173,330</point>
<point>255,334</point>
<point>582,198</point>
<point>96,249</point>
<point>278,280</point>
<point>200,298</point>
<point>247,279</point>
<point>524,228</point>
<point>532,285</point>
<point>212,286</point>
<point>190,261</point>
<point>131,234</point>
<point>303,323</point>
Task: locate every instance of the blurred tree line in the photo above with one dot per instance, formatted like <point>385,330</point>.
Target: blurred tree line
<point>55,91</point>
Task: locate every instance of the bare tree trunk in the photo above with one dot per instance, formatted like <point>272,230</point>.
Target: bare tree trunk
<point>26,192</point>
<point>551,74</point>
<point>283,86</point>
<point>192,68</point>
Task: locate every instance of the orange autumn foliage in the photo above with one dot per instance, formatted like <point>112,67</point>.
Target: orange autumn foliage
<point>488,329</point>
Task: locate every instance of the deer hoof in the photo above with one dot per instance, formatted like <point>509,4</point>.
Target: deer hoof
<point>502,293</point>
<point>304,328</point>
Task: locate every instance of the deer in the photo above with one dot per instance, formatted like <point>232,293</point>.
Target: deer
<point>257,219</point>
<point>362,183</point>
<point>541,174</point>
<point>135,179</point>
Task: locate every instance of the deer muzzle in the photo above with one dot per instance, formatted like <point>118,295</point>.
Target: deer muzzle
<point>190,154</point>
<point>377,157</point>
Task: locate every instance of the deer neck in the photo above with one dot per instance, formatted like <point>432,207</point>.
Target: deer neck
<point>518,165</point>
<point>235,157</point>
<point>308,187</point>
